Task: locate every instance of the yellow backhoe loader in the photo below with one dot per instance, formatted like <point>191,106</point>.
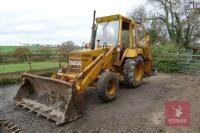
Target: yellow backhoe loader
<point>119,49</point>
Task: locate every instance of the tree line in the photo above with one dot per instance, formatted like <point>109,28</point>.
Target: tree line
<point>169,20</point>
<point>62,51</point>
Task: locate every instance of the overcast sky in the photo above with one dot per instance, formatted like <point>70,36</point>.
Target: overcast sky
<point>54,21</point>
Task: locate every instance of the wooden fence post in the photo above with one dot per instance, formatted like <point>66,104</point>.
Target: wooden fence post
<point>59,63</point>
<point>29,62</point>
<point>59,59</point>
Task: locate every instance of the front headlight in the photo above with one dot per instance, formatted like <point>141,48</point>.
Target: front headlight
<point>74,63</point>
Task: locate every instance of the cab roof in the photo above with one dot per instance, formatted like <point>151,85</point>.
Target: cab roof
<point>117,17</point>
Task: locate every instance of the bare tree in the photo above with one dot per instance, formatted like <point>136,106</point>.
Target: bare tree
<point>153,26</point>
<point>181,25</point>
<point>65,48</point>
<point>139,14</point>
<point>165,13</point>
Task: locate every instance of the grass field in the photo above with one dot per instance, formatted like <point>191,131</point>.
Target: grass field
<point>6,68</point>
<point>9,49</point>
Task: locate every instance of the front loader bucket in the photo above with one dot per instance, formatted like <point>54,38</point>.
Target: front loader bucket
<point>54,99</point>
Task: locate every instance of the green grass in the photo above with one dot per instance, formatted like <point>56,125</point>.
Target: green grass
<point>6,68</point>
<point>9,49</point>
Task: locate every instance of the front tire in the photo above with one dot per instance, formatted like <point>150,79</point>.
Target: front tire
<point>108,86</point>
<point>133,71</point>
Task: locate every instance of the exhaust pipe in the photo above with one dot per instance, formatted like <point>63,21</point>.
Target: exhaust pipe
<point>93,35</point>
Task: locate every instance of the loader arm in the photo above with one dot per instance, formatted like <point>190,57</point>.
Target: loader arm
<point>89,74</point>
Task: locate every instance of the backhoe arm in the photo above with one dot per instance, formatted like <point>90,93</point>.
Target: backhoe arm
<point>147,55</point>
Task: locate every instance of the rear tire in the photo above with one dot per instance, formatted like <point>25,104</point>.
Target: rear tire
<point>108,86</point>
<point>133,71</point>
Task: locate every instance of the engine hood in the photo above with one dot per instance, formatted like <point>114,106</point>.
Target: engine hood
<point>84,57</point>
<point>85,54</point>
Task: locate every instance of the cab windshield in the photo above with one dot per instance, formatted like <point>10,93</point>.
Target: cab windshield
<point>107,32</point>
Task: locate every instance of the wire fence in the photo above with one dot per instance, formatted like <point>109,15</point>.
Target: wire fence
<point>10,59</point>
<point>184,61</point>
<point>31,62</point>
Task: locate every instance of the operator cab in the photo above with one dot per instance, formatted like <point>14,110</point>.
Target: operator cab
<point>118,31</point>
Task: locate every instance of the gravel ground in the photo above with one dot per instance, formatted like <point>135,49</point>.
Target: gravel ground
<point>139,110</point>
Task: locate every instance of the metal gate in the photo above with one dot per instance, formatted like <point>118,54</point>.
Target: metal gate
<point>183,61</point>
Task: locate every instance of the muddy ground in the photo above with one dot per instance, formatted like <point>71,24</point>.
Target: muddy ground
<point>139,110</point>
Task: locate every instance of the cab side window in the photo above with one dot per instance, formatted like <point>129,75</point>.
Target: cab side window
<point>125,35</point>
<point>140,35</point>
<point>134,38</point>
<point>125,38</point>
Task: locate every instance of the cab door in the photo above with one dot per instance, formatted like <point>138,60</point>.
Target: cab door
<point>125,40</point>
